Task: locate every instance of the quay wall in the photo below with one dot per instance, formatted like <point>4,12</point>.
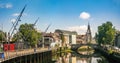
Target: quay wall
<point>37,57</point>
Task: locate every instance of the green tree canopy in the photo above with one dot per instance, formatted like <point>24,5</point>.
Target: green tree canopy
<point>2,36</point>
<point>28,34</point>
<point>17,37</point>
<point>106,33</point>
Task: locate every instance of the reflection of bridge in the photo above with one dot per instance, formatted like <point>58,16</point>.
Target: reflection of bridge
<point>86,56</point>
<point>76,46</point>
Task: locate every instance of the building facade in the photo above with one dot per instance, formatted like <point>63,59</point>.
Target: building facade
<point>67,37</point>
<point>50,38</point>
<point>117,40</point>
<point>81,39</point>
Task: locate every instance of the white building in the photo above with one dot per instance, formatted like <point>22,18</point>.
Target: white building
<point>117,40</point>
<point>67,37</point>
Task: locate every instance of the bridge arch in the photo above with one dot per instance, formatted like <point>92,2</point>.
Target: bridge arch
<point>86,56</point>
<point>75,47</point>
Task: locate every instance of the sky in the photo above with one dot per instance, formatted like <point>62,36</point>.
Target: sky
<point>72,15</point>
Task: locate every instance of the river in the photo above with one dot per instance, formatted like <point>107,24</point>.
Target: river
<point>80,57</point>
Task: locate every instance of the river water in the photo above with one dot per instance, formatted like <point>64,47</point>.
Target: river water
<point>80,57</point>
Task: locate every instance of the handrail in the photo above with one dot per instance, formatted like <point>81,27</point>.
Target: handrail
<point>14,54</point>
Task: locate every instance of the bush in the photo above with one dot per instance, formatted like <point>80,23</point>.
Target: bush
<point>110,51</point>
<point>85,49</point>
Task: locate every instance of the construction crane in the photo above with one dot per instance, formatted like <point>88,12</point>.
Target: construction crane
<point>13,28</point>
<point>25,38</point>
<point>47,28</point>
<point>35,21</point>
<point>44,34</point>
<point>32,26</point>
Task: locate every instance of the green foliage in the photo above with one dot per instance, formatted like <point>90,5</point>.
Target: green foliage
<point>17,37</point>
<point>106,34</point>
<point>85,48</point>
<point>2,36</point>
<point>63,50</point>
<point>110,51</point>
<point>96,37</point>
<point>28,34</point>
<point>1,50</point>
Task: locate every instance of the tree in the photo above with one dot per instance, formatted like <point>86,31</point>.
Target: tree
<point>2,36</point>
<point>106,33</point>
<point>96,37</point>
<point>17,37</point>
<point>28,34</point>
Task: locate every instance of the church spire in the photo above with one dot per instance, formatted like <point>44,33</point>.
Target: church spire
<point>88,34</point>
<point>89,30</point>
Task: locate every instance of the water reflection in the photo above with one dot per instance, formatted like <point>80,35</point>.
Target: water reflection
<point>78,58</point>
<point>103,60</point>
<point>86,53</point>
<point>64,58</point>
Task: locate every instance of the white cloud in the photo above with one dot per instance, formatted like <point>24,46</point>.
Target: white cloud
<point>79,29</point>
<point>7,5</point>
<point>17,14</point>
<point>84,15</point>
<point>13,20</point>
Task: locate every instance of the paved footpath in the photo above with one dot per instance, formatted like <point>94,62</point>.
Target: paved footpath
<point>12,54</point>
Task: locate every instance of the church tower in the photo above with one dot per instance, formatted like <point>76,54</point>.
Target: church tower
<point>88,35</point>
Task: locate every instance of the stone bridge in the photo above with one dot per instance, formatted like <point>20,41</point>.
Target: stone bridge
<point>76,46</point>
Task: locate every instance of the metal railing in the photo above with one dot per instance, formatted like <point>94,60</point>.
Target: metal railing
<point>17,53</point>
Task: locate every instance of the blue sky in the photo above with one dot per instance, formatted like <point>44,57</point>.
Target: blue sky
<point>62,14</point>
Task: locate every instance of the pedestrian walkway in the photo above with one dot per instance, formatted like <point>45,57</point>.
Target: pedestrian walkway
<point>16,53</point>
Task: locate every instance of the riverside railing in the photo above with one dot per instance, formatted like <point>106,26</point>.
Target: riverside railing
<point>16,53</point>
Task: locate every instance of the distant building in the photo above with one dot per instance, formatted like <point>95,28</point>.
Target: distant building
<point>81,39</point>
<point>50,38</point>
<point>84,39</point>
<point>67,37</point>
<point>117,40</point>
